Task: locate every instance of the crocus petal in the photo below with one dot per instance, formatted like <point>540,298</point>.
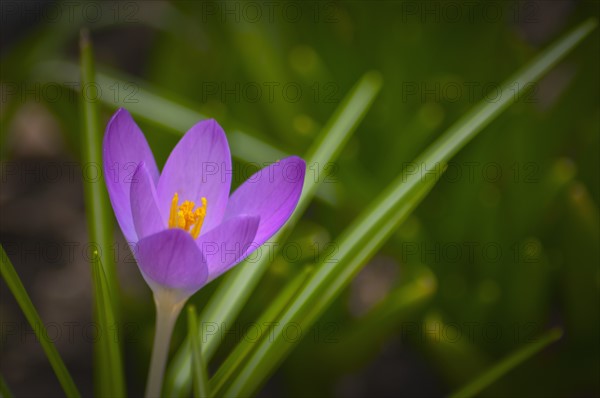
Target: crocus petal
<point>124,148</point>
<point>272,193</point>
<point>144,209</point>
<point>171,259</point>
<point>228,244</point>
<point>199,166</point>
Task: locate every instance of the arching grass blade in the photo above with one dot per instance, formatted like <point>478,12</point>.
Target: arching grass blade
<point>10,276</point>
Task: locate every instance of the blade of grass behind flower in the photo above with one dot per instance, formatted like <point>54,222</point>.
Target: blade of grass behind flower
<point>100,228</point>
<point>236,358</point>
<point>269,353</point>
<point>108,343</point>
<point>10,276</point>
<point>98,209</point>
<point>507,364</point>
<point>364,338</point>
<point>199,375</point>
<point>238,284</point>
<point>371,229</point>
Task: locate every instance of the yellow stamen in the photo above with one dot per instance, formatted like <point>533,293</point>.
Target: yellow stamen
<point>173,213</point>
<point>200,214</point>
<point>186,217</point>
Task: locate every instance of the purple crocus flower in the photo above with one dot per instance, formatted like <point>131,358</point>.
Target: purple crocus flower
<point>185,227</point>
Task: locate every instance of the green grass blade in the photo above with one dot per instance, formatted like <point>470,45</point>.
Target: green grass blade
<point>98,208</point>
<point>507,364</point>
<point>100,228</point>
<point>237,357</point>
<point>10,276</point>
<point>199,375</point>
<point>110,344</point>
<point>483,113</point>
<point>320,290</point>
<point>228,300</point>
<point>366,235</point>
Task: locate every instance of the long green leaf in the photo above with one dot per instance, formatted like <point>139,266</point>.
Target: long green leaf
<point>108,344</point>
<point>100,228</point>
<point>320,290</point>
<point>237,357</point>
<point>233,292</point>
<point>507,364</point>
<point>366,235</point>
<point>399,300</point>
<point>199,374</point>
<point>98,212</point>
<point>10,276</point>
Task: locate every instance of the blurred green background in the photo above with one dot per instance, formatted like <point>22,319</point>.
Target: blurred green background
<point>505,247</point>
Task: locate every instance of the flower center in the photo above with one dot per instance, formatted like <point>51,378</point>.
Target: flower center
<point>186,217</point>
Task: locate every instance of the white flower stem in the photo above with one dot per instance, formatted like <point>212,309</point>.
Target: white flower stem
<point>168,307</point>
